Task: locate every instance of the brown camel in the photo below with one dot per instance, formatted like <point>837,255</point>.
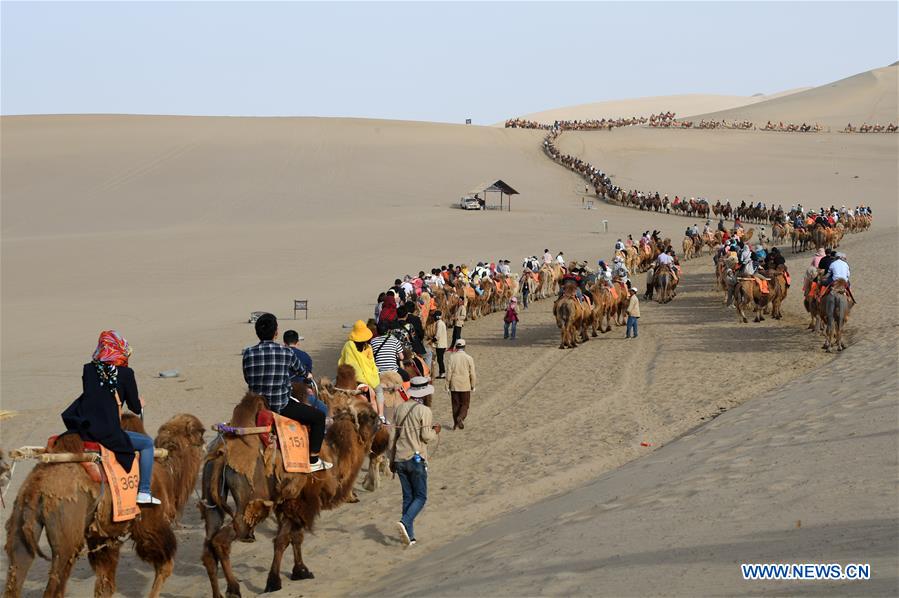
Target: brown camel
<point>604,307</point>
<point>377,460</point>
<point>778,289</point>
<point>61,499</point>
<point>256,480</point>
<point>749,293</point>
<point>572,317</point>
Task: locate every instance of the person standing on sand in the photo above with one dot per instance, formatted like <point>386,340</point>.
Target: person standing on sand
<point>409,453</point>
<point>440,343</point>
<point>633,313</point>
<point>459,320</point>
<point>510,322</point>
<point>461,379</point>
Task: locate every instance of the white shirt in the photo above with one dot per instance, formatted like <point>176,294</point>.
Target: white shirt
<point>839,270</point>
<point>560,259</point>
<point>666,259</point>
<point>547,258</point>
<point>410,290</point>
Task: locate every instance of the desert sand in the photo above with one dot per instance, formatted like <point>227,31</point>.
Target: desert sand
<point>172,229</point>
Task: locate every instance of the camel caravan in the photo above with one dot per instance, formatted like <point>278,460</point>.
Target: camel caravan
<point>871,128</point>
<point>755,277</point>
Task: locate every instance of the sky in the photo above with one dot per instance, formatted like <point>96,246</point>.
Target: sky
<point>420,60</point>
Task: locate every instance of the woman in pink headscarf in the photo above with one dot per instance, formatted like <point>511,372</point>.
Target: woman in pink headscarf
<point>108,384</point>
<point>817,257</point>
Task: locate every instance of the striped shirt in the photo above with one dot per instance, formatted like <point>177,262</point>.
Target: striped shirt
<point>388,351</point>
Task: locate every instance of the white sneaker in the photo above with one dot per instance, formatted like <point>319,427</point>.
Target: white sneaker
<point>404,534</point>
<point>143,498</point>
<point>320,465</point>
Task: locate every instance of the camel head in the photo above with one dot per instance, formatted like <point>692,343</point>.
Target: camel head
<point>133,423</point>
<point>182,432</point>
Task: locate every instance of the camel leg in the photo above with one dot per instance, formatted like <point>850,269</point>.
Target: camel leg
<point>281,541</point>
<point>19,557</point>
<point>65,534</point>
<point>214,518</point>
<point>163,572</point>
<point>104,562</point>
<point>63,561</point>
<point>220,544</point>
<point>372,479</point>
<point>300,571</point>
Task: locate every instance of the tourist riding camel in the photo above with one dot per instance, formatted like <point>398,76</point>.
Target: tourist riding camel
<point>108,384</point>
<point>268,368</point>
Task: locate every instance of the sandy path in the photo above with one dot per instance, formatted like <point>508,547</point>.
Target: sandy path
<point>820,449</point>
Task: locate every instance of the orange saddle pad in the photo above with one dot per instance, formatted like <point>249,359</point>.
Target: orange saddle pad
<point>122,486</point>
<point>763,286</point>
<point>293,438</point>
<point>614,293</point>
<point>469,292</point>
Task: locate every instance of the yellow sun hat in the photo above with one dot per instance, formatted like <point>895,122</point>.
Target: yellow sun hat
<point>360,333</point>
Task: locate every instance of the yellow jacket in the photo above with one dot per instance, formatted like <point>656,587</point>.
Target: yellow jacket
<point>363,363</point>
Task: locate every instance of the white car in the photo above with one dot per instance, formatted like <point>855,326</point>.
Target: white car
<point>470,203</point>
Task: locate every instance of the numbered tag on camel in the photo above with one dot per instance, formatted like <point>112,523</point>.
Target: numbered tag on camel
<point>293,439</point>
<point>122,486</point>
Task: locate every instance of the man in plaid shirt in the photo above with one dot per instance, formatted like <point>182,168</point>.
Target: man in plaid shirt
<point>268,368</point>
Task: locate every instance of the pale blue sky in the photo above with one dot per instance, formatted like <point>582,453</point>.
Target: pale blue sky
<point>420,61</point>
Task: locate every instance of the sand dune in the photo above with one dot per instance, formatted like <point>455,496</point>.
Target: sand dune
<point>866,97</point>
<point>174,229</point>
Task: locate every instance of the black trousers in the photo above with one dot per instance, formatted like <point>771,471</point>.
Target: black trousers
<point>441,368</point>
<point>308,416</point>
<point>457,334</point>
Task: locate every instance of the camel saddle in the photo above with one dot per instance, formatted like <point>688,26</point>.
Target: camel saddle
<point>122,484</point>
<point>92,468</point>
<point>761,284</point>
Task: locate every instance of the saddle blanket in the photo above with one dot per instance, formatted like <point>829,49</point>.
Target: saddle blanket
<point>122,486</point>
<point>293,439</point>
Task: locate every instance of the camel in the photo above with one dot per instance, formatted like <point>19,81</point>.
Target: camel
<point>572,317</point>
<point>778,290</point>
<point>604,308</point>
<point>377,461</point>
<point>748,292</point>
<point>62,499</point>
<point>835,308</point>
<point>663,282</point>
<point>810,299</point>
<point>688,246</point>
<point>256,480</point>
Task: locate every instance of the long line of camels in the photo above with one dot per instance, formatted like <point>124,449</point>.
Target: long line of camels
<point>242,478</point>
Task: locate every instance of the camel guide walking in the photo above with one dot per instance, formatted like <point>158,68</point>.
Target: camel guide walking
<point>440,343</point>
<point>633,313</point>
<point>459,317</point>
<point>461,379</point>
<point>409,453</point>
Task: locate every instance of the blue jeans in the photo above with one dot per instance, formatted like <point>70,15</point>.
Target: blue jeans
<point>144,444</point>
<point>509,327</point>
<point>414,480</point>
<point>631,325</point>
